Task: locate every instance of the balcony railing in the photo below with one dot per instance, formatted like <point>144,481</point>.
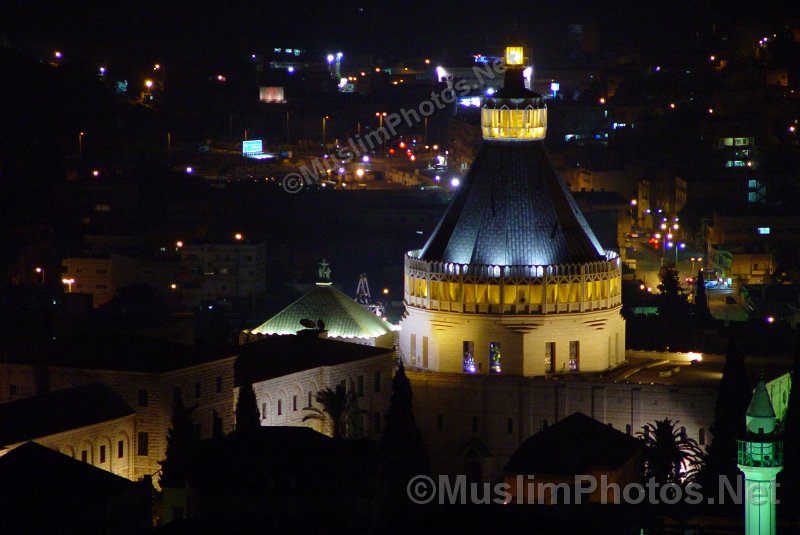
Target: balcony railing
<point>760,454</point>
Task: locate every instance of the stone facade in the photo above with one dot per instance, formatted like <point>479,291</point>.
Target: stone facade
<point>493,414</point>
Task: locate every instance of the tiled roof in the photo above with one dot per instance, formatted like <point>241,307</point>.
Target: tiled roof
<point>59,411</point>
<point>343,317</point>
<point>512,209</point>
<point>276,355</point>
<point>575,445</point>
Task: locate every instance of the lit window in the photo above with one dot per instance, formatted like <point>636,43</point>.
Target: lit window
<point>574,356</point>
<point>469,357</point>
<point>550,357</point>
<point>494,357</point>
<point>763,230</point>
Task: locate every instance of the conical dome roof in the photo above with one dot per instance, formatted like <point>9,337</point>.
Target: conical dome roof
<point>512,208</point>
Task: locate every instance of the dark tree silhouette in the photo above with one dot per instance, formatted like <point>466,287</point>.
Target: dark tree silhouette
<point>247,414</point>
<point>403,452</point>
<point>670,456</point>
<point>339,410</point>
<point>673,310</point>
<point>181,439</point>
<point>733,396</point>
<point>701,310</point>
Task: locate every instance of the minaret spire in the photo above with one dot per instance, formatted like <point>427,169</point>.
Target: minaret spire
<point>760,459</point>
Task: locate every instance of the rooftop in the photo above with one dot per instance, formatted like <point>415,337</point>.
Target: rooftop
<point>279,355</point>
<point>343,317</point>
<point>575,445</point>
<point>513,209</point>
<point>59,411</point>
<point>107,351</point>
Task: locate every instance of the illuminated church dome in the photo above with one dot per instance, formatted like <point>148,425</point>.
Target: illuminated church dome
<point>513,280</point>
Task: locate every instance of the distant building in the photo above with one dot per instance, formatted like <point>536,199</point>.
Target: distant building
<point>222,270</point>
<point>101,276</point>
<point>745,264</point>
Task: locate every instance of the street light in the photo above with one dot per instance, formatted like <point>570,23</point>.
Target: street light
<point>69,283</point>
<point>324,125</point>
<point>40,271</point>
<point>380,116</point>
<point>695,259</point>
<point>80,145</point>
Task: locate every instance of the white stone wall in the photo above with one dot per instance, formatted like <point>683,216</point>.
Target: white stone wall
<point>89,440</point>
<point>601,337</point>
<point>457,401</point>
<point>155,417</point>
<point>302,384</point>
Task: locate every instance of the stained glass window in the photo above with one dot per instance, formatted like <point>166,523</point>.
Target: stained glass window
<point>494,357</point>
<point>469,357</point>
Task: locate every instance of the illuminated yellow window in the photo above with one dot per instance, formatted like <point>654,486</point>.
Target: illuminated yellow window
<point>514,55</point>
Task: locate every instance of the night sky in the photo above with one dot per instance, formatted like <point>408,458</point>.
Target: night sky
<point>216,32</point>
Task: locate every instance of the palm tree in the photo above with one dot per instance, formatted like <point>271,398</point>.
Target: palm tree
<point>340,410</point>
<point>670,456</point>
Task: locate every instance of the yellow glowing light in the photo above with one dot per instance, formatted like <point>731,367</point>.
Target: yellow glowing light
<point>173,286</point>
<point>427,61</point>
<point>642,286</point>
<point>385,291</point>
<point>697,357</point>
<point>710,110</point>
<point>602,100</point>
<point>377,69</point>
<point>38,270</point>
<point>238,236</point>
<point>514,55</point>
<point>633,202</point>
<point>359,173</point>
<point>95,173</point>
<point>672,105</point>
<point>148,84</point>
<point>178,244</point>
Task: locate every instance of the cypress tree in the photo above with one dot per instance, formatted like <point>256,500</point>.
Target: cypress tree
<point>733,397</point>
<point>247,414</point>
<point>701,309</point>
<point>403,452</point>
<point>181,439</point>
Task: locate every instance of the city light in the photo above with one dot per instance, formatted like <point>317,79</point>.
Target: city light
<point>290,69</point>
<point>95,172</point>
<point>633,202</point>
<point>386,291</point>
<point>238,236</point>
<point>365,159</point>
<point>330,58</point>
<point>672,105</point>
<point>770,319</point>
<point>57,54</point>
<point>427,61</point>
<point>173,286</point>
<point>189,170</point>
<point>178,244</point>
<point>359,173</point>
<point>602,100</point>
<point>148,84</point>
<point>455,182</point>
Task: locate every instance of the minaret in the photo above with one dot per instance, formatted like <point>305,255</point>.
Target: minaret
<point>760,459</point>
